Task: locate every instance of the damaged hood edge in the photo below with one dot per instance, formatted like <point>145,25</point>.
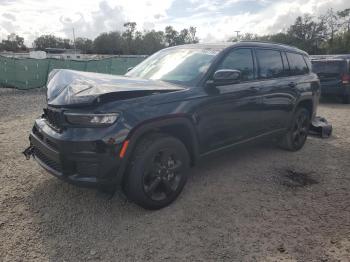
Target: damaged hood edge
<point>69,87</point>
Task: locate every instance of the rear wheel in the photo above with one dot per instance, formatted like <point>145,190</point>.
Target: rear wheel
<point>296,136</point>
<point>157,172</point>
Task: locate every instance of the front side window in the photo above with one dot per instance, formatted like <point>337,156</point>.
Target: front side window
<point>270,63</point>
<point>297,64</point>
<point>242,60</point>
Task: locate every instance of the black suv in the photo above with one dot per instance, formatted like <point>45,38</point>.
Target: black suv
<point>334,74</point>
<point>141,132</point>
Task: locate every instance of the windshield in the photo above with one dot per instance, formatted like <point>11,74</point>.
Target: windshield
<point>184,66</point>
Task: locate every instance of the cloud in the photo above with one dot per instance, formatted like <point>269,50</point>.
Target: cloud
<point>105,19</point>
<point>9,16</point>
<point>6,2</point>
<point>8,26</point>
<point>216,20</point>
<point>89,18</point>
<point>259,17</point>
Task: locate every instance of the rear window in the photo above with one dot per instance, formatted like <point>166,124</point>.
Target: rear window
<point>334,67</point>
<point>308,62</point>
<point>270,63</point>
<point>297,64</point>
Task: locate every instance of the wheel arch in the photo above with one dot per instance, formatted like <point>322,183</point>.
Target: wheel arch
<point>306,103</point>
<point>180,127</point>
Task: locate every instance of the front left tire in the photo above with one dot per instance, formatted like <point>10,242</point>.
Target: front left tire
<point>157,172</point>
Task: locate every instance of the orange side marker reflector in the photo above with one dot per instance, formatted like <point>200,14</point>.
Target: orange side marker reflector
<point>124,147</point>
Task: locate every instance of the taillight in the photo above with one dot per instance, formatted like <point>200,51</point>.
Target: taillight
<point>345,79</point>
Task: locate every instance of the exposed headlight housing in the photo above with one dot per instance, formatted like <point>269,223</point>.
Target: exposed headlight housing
<point>82,119</point>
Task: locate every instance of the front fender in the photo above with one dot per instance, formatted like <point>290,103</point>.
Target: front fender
<point>155,125</point>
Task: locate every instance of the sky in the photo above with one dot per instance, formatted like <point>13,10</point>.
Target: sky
<point>215,20</point>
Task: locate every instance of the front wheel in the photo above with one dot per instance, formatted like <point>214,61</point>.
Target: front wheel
<point>296,136</point>
<point>157,172</point>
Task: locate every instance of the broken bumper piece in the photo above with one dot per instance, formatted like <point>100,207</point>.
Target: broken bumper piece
<point>320,126</point>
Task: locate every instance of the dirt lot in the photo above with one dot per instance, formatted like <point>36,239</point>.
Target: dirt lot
<point>256,203</point>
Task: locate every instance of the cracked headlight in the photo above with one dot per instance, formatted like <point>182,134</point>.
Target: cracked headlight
<point>91,119</point>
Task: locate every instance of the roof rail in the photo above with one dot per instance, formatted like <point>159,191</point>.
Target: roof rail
<point>268,42</point>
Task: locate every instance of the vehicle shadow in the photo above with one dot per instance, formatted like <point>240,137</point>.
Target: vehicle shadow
<point>85,221</point>
<point>223,194</point>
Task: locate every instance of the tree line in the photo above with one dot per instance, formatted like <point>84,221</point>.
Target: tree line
<point>130,41</point>
<point>328,33</point>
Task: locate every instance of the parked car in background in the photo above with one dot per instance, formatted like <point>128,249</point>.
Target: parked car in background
<point>334,74</point>
<point>141,132</point>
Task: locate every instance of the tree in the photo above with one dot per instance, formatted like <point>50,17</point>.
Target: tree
<point>13,43</point>
<point>192,35</point>
<point>137,45</point>
<point>186,36</point>
<point>152,42</point>
<point>128,36</point>
<point>305,33</point>
<point>109,43</point>
<point>171,36</point>
<point>345,18</point>
<point>331,25</point>
<point>51,41</point>
<point>85,45</point>
<point>246,37</point>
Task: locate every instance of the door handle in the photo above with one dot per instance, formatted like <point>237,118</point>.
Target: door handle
<point>255,88</point>
<point>292,84</point>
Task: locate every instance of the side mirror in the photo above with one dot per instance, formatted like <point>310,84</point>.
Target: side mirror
<point>226,77</point>
<point>129,69</point>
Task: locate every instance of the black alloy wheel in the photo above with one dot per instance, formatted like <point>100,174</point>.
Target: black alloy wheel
<point>163,175</point>
<point>157,171</point>
<point>300,129</point>
<point>296,136</point>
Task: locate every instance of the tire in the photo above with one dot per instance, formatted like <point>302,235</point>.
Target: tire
<point>346,99</point>
<point>157,172</point>
<point>296,136</point>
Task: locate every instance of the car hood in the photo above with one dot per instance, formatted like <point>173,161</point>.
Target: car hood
<point>70,88</point>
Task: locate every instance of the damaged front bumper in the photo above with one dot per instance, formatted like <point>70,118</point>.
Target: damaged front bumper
<point>83,163</point>
<point>28,152</point>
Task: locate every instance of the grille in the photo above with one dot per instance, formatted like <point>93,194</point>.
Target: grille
<point>53,118</point>
<point>52,144</point>
<point>41,137</point>
<point>47,161</point>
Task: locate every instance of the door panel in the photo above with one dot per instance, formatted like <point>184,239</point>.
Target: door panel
<point>278,97</point>
<point>231,113</point>
<point>276,89</point>
<point>230,116</point>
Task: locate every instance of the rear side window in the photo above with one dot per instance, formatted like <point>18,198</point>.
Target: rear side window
<point>297,64</point>
<point>308,62</point>
<point>285,62</point>
<point>242,60</point>
<point>270,63</point>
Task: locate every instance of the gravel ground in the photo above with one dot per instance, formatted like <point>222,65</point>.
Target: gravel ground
<point>256,203</point>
